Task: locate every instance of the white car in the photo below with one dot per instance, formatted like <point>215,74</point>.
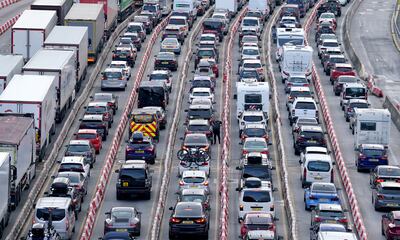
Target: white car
<point>162,75</point>
<point>250,53</point>
<point>312,150</point>
<point>75,164</point>
<point>202,93</point>
<point>222,16</point>
<point>296,92</point>
<point>327,16</point>
<point>327,44</point>
<point>248,117</point>
<point>209,37</point>
<point>122,65</point>
<point>303,107</point>
<point>316,168</point>
<point>256,200</point>
<point>194,179</point>
<point>251,22</point>
<point>171,45</point>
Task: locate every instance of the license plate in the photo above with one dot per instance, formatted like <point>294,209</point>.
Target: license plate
<point>312,141</point>
<point>187,222</point>
<point>125,184</point>
<point>139,151</point>
<point>164,62</point>
<point>318,178</point>
<point>392,204</point>
<point>256,209</point>
<point>121,230</point>
<point>193,186</point>
<point>374,160</point>
<point>330,221</point>
<point>323,199</point>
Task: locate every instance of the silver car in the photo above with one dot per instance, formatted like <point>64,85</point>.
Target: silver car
<point>113,78</point>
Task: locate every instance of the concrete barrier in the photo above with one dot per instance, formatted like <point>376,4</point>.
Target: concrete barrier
<point>394,108</point>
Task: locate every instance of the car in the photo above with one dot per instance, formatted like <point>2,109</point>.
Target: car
<point>250,64</point>
<point>324,36</point>
<point>166,60</point>
<point>249,39</point>
<point>326,44</point>
<point>390,225</point>
<point>140,147</point>
<point>352,91</point>
<point>368,156</point>
<point>61,187</point>
<point>304,121</point>
<point>331,61</point>
<point>147,22</point>
<point>329,213</point>
<point>117,236</point>
<point>254,130</point>
<point>313,150</point>
<point>110,98</point>
<point>326,24</point>
<point>125,54</point>
<point>123,65</point>
<point>386,195</point>
<point>200,111</point>
<point>196,140</point>
<point>74,164</point>
<point>206,68</point>
<point>131,38</point>
<point>123,219</point>
<point>137,27</point>
<point>201,93</point>
<point>351,105</point>
<point>194,179</point>
<point>257,221</point>
<point>172,31</point>
<point>171,45</point>
<point>341,80</point>
<point>255,199</point>
<point>256,159</point>
<point>202,82</point>
<point>249,52</point>
<point>100,108</point>
<point>289,22</point>
<point>162,75</point>
<point>195,195</point>
<point>327,16</point>
<point>316,168</point>
<point>113,78</point>
<point>384,173</point>
<point>256,13</point>
<point>81,148</point>
<point>181,22</point>
<point>330,51</point>
<point>96,122</point>
<point>200,126</point>
<point>253,22</point>
<point>325,228</point>
<point>341,69</point>
<point>188,218</point>
<point>295,92</point>
<point>223,16</point>
<point>260,234</point>
<point>205,53</point>
<point>251,117</point>
<point>161,115</point>
<point>208,44</point>
<point>320,192</point>
<point>323,29</point>
<point>77,180</point>
<point>249,76</point>
<point>303,107</point>
<point>189,18</point>
<point>296,80</point>
<point>260,173</point>
<point>308,136</point>
<point>255,144</point>
<point>208,37</point>
<point>93,136</point>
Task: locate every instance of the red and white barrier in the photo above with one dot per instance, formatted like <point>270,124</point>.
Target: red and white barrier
<point>224,218</point>
<point>6,3</point>
<point>355,211</point>
<point>111,155</point>
<point>373,88</point>
<point>7,25</point>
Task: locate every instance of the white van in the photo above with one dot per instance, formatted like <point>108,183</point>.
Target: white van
<point>181,22</point>
<point>352,91</point>
<point>296,60</point>
<point>63,214</point>
<point>316,168</point>
<point>336,236</point>
<point>256,200</point>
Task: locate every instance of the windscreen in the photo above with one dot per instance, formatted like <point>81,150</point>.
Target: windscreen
<point>44,214</point>
<point>318,166</point>
<point>356,92</point>
<point>256,196</point>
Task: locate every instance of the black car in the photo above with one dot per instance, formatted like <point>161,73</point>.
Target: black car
<point>308,136</point>
<point>153,94</point>
<point>262,172</point>
<point>216,26</point>
<point>61,188</point>
<point>249,74</point>
<point>204,53</point>
<point>166,60</point>
<point>188,218</point>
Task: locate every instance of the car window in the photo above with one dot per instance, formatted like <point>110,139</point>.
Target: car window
<point>332,228</point>
<point>255,144</point>
<point>201,83</point>
<point>68,167</point>
<point>261,172</point>
<point>252,65</point>
<point>367,126</point>
<point>343,69</point>
<point>140,144</point>
<point>359,105</point>
<point>305,105</point>
<point>78,148</point>
<point>252,98</point>
<point>312,135</point>
<point>193,179</point>
<point>188,211</point>
<point>121,216</point>
<point>356,91</point>
<point>201,94</point>
<point>86,136</point>
<point>331,214</point>
<point>390,190</point>
<point>256,196</point>
<point>295,94</point>
<point>158,76</point>
<point>143,118</point>
<point>202,113</point>
<point>255,132</point>
<point>323,188</point>
<point>195,127</point>
<point>112,75</point>
<point>389,171</point>
<point>318,166</point>
<point>74,178</point>
<point>297,80</point>
<point>212,25</point>
<point>256,219</point>
<point>95,109</point>
<point>373,152</point>
<point>251,118</point>
<point>56,214</point>
<point>134,174</point>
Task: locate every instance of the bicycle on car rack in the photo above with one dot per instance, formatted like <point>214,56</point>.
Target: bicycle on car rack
<point>192,156</point>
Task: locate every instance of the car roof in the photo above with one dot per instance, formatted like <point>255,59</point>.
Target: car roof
<point>80,142</point>
<point>323,184</point>
<point>193,191</point>
<point>373,146</point>
<point>255,139</point>
<point>113,69</point>
<point>254,125</point>
<point>252,113</point>
<point>98,117</point>
<point>316,149</point>
<point>251,61</point>
<point>97,104</point>
<point>343,65</point>
<point>354,84</point>
<point>133,164</point>
<point>396,215</point>
<point>390,184</point>
<point>142,111</point>
<point>194,173</point>
<point>88,131</point>
<point>160,72</point>
<point>358,101</point>
<point>199,122</point>
<point>201,89</point>
<point>118,62</point>
<point>196,135</point>
<point>311,128</point>
<point>301,89</point>
<point>122,209</point>
<point>330,206</point>
<point>73,159</point>
<point>304,99</point>
<point>153,108</point>
<point>318,157</point>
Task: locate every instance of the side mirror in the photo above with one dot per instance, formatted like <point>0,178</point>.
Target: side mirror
<point>46,193</point>
<point>181,138</point>
<point>238,189</point>
<point>240,143</point>
<point>52,177</point>
<point>238,168</point>
<point>171,208</point>
<point>186,110</point>
<point>235,96</point>
<point>107,213</point>
<point>116,171</point>
<point>300,162</point>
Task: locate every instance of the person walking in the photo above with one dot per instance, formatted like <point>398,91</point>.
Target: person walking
<point>217,131</point>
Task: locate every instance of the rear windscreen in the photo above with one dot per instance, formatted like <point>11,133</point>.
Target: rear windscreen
<point>56,214</point>
<point>143,118</point>
<point>318,166</point>
<point>252,98</point>
<point>305,105</point>
<point>212,25</point>
<point>256,196</point>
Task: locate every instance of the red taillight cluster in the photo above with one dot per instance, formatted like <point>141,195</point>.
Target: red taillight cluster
<point>380,197</point>
<point>175,220</point>
<point>200,220</point>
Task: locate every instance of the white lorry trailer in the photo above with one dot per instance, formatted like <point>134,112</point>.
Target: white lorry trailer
<point>186,6</point>
<point>295,60</point>
<point>260,5</point>
<point>10,65</point>
<point>231,5</point>
<point>90,16</point>
<point>252,95</point>
<point>59,63</point>
<point>17,138</point>
<point>60,6</point>
<point>76,40</point>
<point>371,126</point>
<point>30,31</point>
<point>18,97</point>
<point>5,187</point>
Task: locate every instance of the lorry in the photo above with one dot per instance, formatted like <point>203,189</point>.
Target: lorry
<point>30,31</point>
<point>252,96</point>
<point>110,8</point>
<point>18,97</point>
<point>231,5</point>
<point>371,126</point>
<point>186,6</point>
<point>154,7</point>
<point>5,178</point>
<point>77,41</point>
<point>60,6</point>
<point>17,140</point>
<point>10,65</point>
<point>59,63</point>
<point>295,60</point>
<point>265,6</point>
<point>92,17</point>
<point>125,8</point>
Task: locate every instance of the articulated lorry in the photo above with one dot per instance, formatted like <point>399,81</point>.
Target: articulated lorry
<point>10,65</point>
<point>60,6</point>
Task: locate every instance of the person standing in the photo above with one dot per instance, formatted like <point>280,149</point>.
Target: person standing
<point>217,131</point>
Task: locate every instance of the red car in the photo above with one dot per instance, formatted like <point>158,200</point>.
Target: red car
<point>256,221</point>
<point>341,69</point>
<point>92,135</point>
<point>391,225</point>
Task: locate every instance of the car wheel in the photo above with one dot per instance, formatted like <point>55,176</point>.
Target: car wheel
<point>382,231</point>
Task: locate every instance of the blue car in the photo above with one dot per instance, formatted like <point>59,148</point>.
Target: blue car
<point>368,156</point>
<point>320,192</point>
<point>140,147</point>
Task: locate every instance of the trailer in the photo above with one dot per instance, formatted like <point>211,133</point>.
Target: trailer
<point>254,95</point>
<point>10,65</point>
<point>76,40</point>
<point>126,8</point>
<point>5,179</point>
<point>18,97</point>
<point>110,9</point>
<point>60,6</point>
<point>59,63</point>
<point>30,31</point>
<point>17,139</point>
<point>231,5</point>
<point>92,17</point>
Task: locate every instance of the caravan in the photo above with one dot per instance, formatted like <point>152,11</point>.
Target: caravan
<point>254,95</point>
<point>293,36</point>
<point>295,60</point>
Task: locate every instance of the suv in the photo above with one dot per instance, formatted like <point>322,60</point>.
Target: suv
<point>251,117</point>
<point>302,107</point>
<point>134,178</point>
<point>125,54</point>
<point>216,26</point>
<point>341,69</point>
<point>137,27</point>
<point>100,108</point>
<point>82,148</point>
<point>340,81</point>
<point>308,136</point>
<point>95,122</point>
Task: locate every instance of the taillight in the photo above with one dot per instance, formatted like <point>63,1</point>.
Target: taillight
<point>205,163</point>
<point>132,224</point>
<point>114,55</point>
<point>181,183</point>
<point>241,207</point>
<point>272,208</point>
<point>343,220</point>
<point>200,220</point>
<point>157,62</point>
<point>312,197</point>
<point>264,152</point>
<point>290,84</point>
<point>205,183</point>
<point>316,113</point>
<point>380,197</point>
<point>335,199</point>
<point>245,152</point>
<point>174,220</point>
<point>382,180</point>
<point>361,156</point>
<point>306,85</point>
<point>317,219</point>
<point>384,157</point>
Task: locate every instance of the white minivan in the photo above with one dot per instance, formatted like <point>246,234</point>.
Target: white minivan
<point>336,236</point>
<point>256,200</point>
<point>62,212</point>
<point>316,168</point>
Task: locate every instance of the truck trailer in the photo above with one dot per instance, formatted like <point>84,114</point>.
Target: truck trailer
<point>18,97</point>
<point>59,63</point>
<point>92,17</point>
<point>30,31</point>
<point>10,65</point>
<point>254,95</point>
<point>17,139</point>
<point>76,40</point>
<point>5,187</point>
<point>60,6</point>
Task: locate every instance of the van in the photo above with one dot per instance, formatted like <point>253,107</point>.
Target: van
<point>352,91</point>
<point>181,22</point>
<point>336,236</point>
<point>62,212</point>
<point>255,199</point>
<point>316,168</point>
<point>153,93</point>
